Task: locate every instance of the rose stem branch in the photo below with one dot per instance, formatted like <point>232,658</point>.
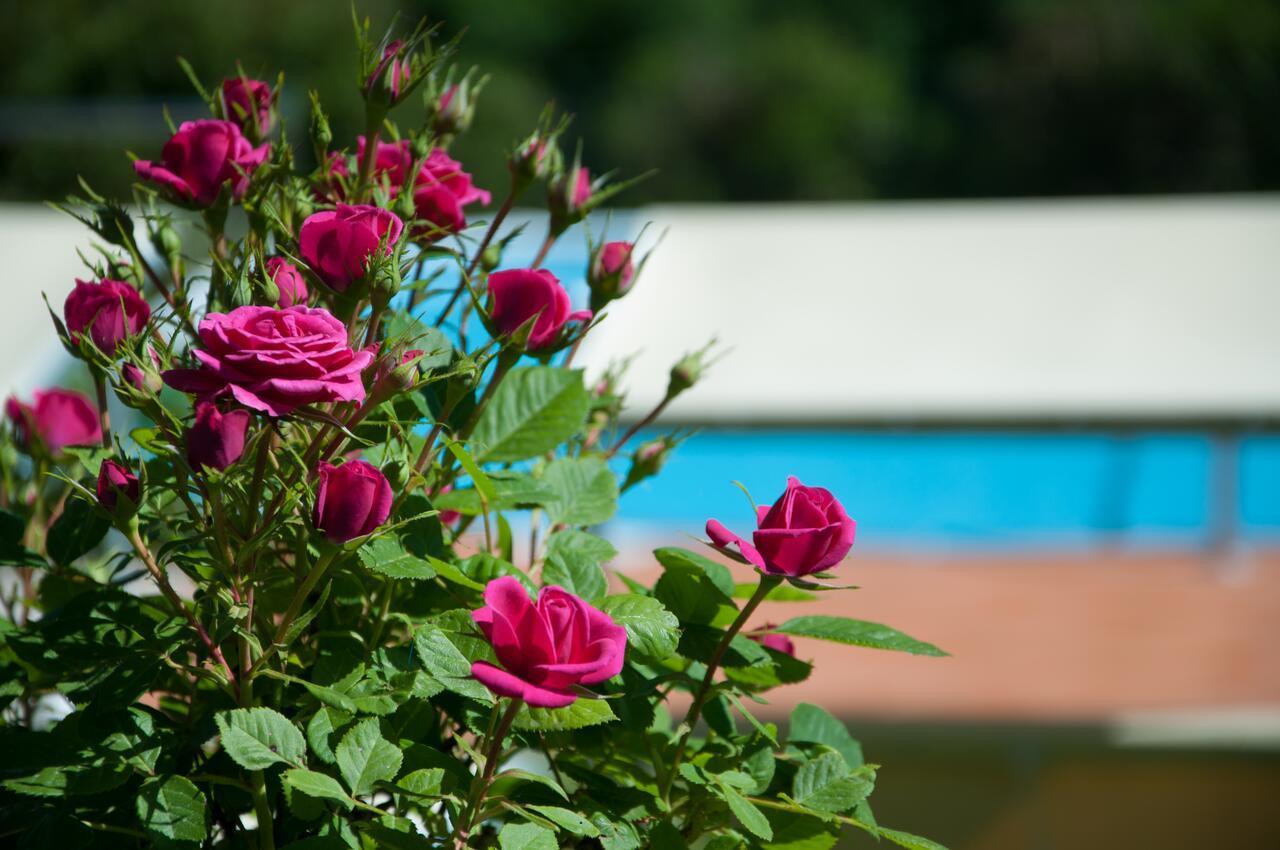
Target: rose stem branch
<point>375,321</point>
<point>149,561</point>
<point>767,583</point>
<point>366,161</point>
<point>636,428</point>
<point>104,416</point>
<point>480,785</point>
<point>542,252</point>
<point>299,599</point>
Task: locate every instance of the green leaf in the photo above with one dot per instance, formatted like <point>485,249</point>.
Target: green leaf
<point>856,632</point>
<point>691,596</point>
<point>385,555</point>
<point>12,552</point>
<point>79,529</point>
<point>453,575</point>
<point>586,491</point>
<point>813,724</point>
<point>513,490</point>
<point>365,757</point>
<point>794,830</point>
<point>751,818</point>
<point>321,731</point>
<point>173,808</point>
<point>423,782</point>
<point>446,663</point>
<point>581,713</point>
<point>318,785</point>
<point>779,593</point>
<point>526,836</point>
<point>257,738</point>
<point>674,558</point>
<point>567,820</point>
<point>825,784</point>
<point>907,840</point>
<point>652,630</point>
<point>573,562</point>
<point>534,410</point>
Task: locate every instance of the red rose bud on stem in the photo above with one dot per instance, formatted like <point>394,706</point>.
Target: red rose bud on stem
<point>805,531</point>
<point>200,159</point>
<point>291,288</point>
<point>569,199</point>
<point>546,648</point>
<point>108,311</point>
<point>610,273</point>
<point>248,103</point>
<point>452,107</point>
<point>772,640</point>
<point>519,295</point>
<point>54,420</point>
<point>390,78</point>
<point>339,245</point>
<point>119,490</point>
<point>352,500</point>
<point>216,438</point>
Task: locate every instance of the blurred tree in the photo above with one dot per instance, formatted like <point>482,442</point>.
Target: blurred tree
<point>752,100</point>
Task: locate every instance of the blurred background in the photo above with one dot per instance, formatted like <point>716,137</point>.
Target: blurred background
<point>1001,274</point>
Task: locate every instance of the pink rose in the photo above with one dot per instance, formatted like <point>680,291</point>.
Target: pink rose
<point>338,244</point>
<point>806,531</point>
<point>55,419</point>
<point>774,641</point>
<point>352,500</point>
<point>545,647</point>
<point>115,480</point>
<point>274,360</point>
<point>110,311</point>
<point>245,100</point>
<point>441,191</point>
<point>216,439</point>
<point>581,192</point>
<point>610,273</point>
<point>288,280</point>
<point>391,160</point>
<point>448,517</point>
<point>520,294</point>
<point>200,158</point>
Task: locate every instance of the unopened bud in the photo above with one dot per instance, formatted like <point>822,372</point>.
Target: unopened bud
<point>491,258</point>
<point>119,491</point>
<point>687,371</point>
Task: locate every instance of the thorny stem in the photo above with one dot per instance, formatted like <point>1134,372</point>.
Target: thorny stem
<point>480,785</point>
<point>104,416</point>
<point>479,255</point>
<point>542,252</point>
<point>636,428</point>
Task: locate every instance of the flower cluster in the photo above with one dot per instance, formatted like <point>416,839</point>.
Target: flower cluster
<point>314,448</point>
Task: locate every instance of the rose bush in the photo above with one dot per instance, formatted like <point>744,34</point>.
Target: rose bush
<point>277,597</point>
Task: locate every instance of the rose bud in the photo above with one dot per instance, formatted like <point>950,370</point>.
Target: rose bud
<point>648,460</point>
<point>518,295</point>
<point>339,244</point>
<point>391,76</point>
<point>536,158</point>
<point>200,158</point>
<point>55,419</point>
<point>546,648</point>
<point>806,531</point>
<point>352,500</point>
<point>248,103</point>
<point>274,361</point>
<point>291,289</point>
<point>115,480</point>
<point>110,311</point>
<point>440,193</point>
<point>141,379</point>
<point>452,111</point>
<point>774,641</point>
<point>569,197</point>
<point>610,273</point>
<point>215,439</point>
<point>448,517</point>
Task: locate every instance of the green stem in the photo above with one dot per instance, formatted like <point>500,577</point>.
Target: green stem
<point>104,417</point>
<point>767,583</point>
<point>299,599</point>
<point>480,785</point>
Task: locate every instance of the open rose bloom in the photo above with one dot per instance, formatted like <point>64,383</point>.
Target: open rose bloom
<point>805,531</point>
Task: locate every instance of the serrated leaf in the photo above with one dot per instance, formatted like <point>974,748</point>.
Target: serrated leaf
<point>580,714</point>
<point>533,410</point>
<point>386,556</point>
<point>652,630</point>
<point>814,724</point>
<point>779,593</point>
<point>674,558</point>
<point>173,808</point>
<point>526,836</point>
<point>256,738</point>
<point>446,663</point>
<point>79,529</point>
<point>857,633</point>
<point>907,840</point>
<point>573,563</point>
<point>825,784</point>
<point>745,811</point>
<point>567,820</point>
<point>318,785</point>
<point>586,491</point>
<point>365,757</point>
<point>424,782</point>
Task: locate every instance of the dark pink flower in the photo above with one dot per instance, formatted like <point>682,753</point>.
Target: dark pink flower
<point>55,419</point>
<point>274,360</point>
<point>116,480</point>
<point>109,311</point>
<point>805,531</point>
<point>774,641</point>
<point>520,294</point>
<point>545,647</point>
<point>288,280</point>
<point>216,439</point>
<point>352,500</point>
<point>339,244</point>
<point>442,191</point>
<point>393,72</point>
<point>247,102</point>
<point>200,158</point>
<point>448,517</point>
<point>581,191</point>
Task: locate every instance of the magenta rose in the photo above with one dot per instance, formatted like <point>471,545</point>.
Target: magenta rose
<point>391,160</point>
<point>441,191</point>
<point>109,311</point>
<point>545,647</point>
<point>805,531</point>
<point>55,419</point>
<point>274,361</point>
<point>216,438</point>
<point>518,295</point>
<point>352,500</point>
<point>116,480</point>
<point>774,641</point>
<point>200,158</point>
<point>288,280</point>
<point>338,244</point>
<point>247,102</point>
